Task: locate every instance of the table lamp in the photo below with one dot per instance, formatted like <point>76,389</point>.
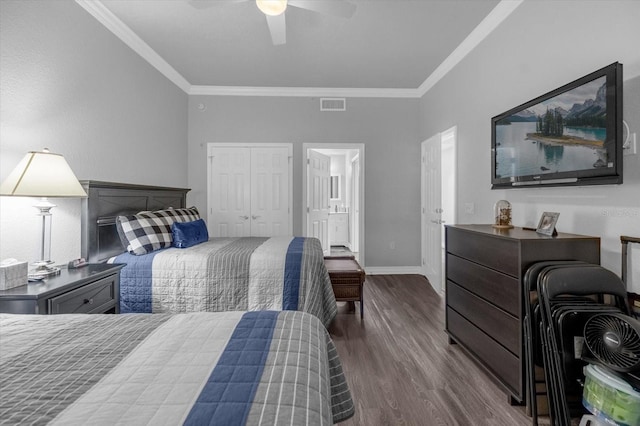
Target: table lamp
<point>43,174</point>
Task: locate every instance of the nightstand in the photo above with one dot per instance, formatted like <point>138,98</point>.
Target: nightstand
<point>91,289</point>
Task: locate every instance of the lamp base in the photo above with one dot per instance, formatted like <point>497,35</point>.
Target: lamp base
<point>42,270</point>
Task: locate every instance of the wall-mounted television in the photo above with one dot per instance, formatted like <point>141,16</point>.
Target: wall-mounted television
<point>569,136</point>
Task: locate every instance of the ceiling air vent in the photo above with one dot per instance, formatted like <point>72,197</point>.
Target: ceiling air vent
<point>333,104</point>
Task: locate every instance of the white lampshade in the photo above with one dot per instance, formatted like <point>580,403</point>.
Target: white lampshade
<point>272,7</point>
<point>42,174</point>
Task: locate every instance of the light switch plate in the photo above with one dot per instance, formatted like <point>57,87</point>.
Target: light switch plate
<point>470,208</point>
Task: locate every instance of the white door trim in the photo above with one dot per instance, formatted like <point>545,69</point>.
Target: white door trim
<point>354,146</point>
<point>289,146</point>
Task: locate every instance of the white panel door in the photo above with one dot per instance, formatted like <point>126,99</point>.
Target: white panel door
<point>355,205</point>
<point>431,211</point>
<point>318,172</point>
<point>229,192</point>
<point>270,211</point>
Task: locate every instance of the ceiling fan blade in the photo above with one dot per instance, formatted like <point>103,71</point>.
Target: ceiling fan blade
<point>278,29</point>
<point>328,7</point>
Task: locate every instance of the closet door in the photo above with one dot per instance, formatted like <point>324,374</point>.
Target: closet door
<point>249,191</point>
<point>270,211</point>
<point>229,192</point>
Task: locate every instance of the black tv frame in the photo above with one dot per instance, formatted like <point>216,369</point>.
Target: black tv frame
<point>613,142</point>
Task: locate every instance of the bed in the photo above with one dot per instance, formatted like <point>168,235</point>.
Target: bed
<point>222,274</point>
<point>223,368</point>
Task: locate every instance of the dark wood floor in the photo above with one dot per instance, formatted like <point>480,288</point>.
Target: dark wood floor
<point>400,367</point>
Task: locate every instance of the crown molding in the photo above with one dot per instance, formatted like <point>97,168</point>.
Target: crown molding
<point>304,92</point>
<point>479,33</point>
<point>131,39</point>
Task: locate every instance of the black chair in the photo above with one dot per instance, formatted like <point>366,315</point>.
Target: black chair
<point>533,348</point>
<point>542,347</point>
<point>569,294</point>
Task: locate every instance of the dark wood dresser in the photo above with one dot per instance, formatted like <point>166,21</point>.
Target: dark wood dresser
<point>484,292</point>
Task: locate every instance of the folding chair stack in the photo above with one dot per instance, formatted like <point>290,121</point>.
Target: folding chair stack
<point>563,295</point>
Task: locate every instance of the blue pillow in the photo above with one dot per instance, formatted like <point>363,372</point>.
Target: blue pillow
<point>187,234</point>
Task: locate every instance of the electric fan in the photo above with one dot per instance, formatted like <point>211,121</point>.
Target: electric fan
<point>614,340</point>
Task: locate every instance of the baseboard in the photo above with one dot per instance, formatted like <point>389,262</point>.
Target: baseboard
<point>392,270</point>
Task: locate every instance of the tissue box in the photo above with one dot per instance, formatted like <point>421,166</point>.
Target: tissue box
<point>13,275</point>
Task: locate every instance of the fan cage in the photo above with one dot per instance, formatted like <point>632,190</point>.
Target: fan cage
<point>614,340</point>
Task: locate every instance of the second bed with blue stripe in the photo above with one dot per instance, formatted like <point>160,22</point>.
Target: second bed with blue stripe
<point>230,274</point>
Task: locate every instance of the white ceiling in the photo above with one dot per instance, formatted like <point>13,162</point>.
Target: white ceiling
<point>386,44</point>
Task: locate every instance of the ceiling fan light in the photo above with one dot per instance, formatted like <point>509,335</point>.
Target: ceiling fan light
<point>272,7</point>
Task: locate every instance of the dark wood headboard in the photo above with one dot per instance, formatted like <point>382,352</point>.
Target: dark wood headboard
<point>108,200</point>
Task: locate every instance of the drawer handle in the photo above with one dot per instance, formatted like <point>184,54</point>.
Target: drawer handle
<point>88,301</point>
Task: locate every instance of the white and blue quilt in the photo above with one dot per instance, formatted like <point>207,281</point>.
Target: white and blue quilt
<point>230,274</point>
<point>225,368</point>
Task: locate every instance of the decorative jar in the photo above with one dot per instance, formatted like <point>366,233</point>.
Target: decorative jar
<point>502,215</point>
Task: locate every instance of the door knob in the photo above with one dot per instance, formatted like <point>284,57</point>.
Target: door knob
<point>244,217</point>
<point>254,217</point>
<point>438,210</point>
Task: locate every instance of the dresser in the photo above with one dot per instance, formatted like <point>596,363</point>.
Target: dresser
<point>91,289</point>
<point>484,292</point>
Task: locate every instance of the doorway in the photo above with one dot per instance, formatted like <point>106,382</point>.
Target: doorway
<point>439,195</point>
<point>344,197</point>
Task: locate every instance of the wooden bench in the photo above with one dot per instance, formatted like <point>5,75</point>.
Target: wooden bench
<point>347,279</point>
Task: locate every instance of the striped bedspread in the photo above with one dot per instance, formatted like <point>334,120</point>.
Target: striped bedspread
<point>225,368</point>
<point>230,274</point>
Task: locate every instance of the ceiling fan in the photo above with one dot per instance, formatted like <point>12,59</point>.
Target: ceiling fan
<point>274,11</point>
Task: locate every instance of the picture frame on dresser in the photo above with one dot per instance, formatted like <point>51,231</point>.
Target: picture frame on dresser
<point>547,223</point>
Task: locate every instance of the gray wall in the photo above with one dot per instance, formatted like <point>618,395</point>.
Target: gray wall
<point>69,84</point>
<point>387,127</point>
<point>540,47</point>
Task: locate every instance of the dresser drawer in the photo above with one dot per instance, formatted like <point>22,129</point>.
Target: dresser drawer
<point>95,297</point>
<point>496,253</point>
<point>502,363</point>
<point>498,324</point>
<point>500,289</point>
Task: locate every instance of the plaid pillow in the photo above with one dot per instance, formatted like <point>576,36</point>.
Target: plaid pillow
<point>145,232</point>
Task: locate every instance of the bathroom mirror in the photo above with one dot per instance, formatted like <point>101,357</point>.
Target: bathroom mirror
<point>334,188</point>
